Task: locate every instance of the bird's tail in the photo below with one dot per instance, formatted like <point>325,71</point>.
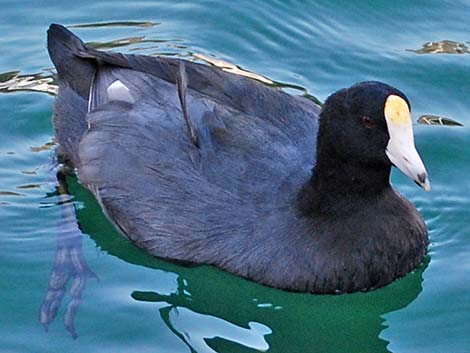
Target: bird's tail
<point>75,76</point>
<point>68,53</point>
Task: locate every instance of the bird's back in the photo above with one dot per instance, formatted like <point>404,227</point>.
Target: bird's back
<point>206,202</point>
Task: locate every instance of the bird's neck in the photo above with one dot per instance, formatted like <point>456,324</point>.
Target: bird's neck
<point>337,186</point>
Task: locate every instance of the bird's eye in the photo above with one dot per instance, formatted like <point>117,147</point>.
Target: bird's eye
<point>367,122</point>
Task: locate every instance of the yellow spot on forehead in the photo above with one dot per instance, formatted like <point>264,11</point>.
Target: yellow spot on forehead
<point>396,110</point>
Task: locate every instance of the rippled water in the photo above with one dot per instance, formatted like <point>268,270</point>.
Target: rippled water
<point>123,300</point>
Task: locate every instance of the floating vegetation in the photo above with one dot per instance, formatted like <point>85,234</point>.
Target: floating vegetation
<point>144,48</point>
<point>40,82</point>
<point>46,147</point>
<point>116,24</point>
<point>7,76</point>
<point>168,44</point>
<point>122,42</point>
<point>10,193</point>
<point>170,54</point>
<point>29,172</point>
<point>29,186</point>
<point>442,47</point>
<point>429,119</point>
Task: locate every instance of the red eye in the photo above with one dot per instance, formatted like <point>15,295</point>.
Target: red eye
<point>367,122</point>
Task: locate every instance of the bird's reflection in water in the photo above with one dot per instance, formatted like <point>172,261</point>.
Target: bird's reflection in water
<point>195,328</point>
<point>69,265</point>
<point>209,303</point>
<point>71,268</point>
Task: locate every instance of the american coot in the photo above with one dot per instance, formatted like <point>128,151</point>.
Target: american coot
<point>201,166</point>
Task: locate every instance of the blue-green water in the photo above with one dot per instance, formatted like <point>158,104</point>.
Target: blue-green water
<point>141,304</point>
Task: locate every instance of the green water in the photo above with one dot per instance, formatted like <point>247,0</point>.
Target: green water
<point>140,304</point>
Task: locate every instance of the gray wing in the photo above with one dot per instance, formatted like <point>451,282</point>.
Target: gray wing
<point>201,202</point>
<point>77,67</point>
<point>169,196</point>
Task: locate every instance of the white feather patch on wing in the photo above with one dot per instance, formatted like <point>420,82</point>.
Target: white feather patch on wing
<point>117,91</point>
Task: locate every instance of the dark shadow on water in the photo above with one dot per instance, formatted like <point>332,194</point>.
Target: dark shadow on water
<point>212,311</point>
